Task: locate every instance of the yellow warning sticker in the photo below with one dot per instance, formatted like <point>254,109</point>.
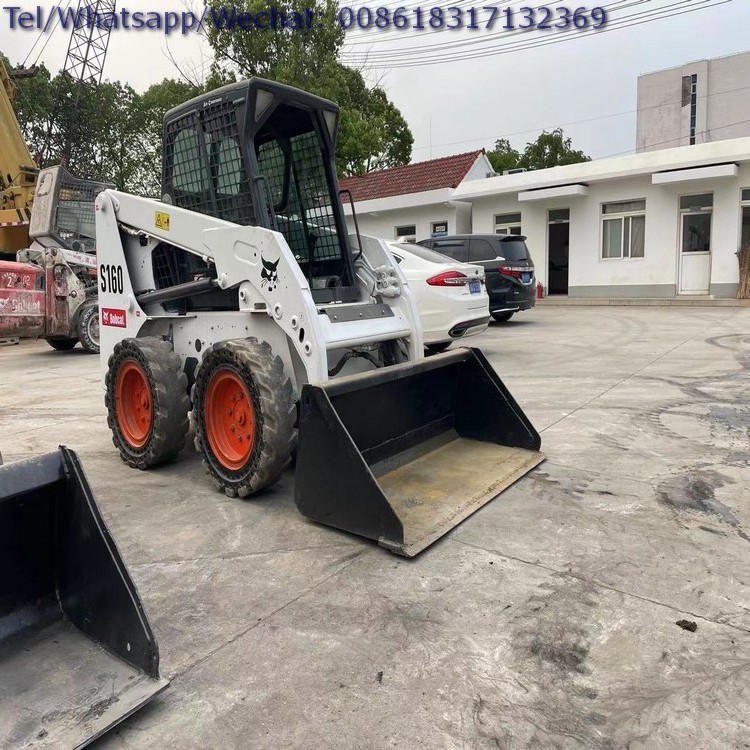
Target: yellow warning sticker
<point>162,221</point>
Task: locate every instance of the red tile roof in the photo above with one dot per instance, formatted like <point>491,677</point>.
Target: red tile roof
<point>446,172</point>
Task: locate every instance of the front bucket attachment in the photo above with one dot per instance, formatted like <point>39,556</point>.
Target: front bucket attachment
<point>403,454</point>
<point>77,654</point>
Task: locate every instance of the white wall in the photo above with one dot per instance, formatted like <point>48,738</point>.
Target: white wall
<point>480,169</point>
<point>656,274</point>
<point>728,113</point>
<point>384,224</point>
<point>722,107</point>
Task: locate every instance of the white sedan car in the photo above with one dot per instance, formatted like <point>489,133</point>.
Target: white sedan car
<point>450,296</point>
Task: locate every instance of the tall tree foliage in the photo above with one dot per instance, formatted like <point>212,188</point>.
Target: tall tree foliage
<point>116,132</point>
<point>372,132</point>
<point>550,149</point>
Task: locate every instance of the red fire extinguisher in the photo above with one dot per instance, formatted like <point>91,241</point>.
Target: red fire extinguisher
<point>539,290</point>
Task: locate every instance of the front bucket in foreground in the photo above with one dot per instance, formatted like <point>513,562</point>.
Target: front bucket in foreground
<point>77,654</point>
<point>403,454</point>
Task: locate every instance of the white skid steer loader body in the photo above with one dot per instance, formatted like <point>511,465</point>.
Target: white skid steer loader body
<point>274,305</point>
<point>376,447</point>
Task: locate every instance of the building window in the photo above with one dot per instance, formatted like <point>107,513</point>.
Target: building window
<point>508,224</point>
<point>439,228</point>
<point>700,202</point>
<point>690,98</point>
<point>745,237</point>
<point>406,233</point>
<point>623,229</point>
<point>696,222</point>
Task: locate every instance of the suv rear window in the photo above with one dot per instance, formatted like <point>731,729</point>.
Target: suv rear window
<point>514,250</point>
<point>456,249</point>
<point>421,252</point>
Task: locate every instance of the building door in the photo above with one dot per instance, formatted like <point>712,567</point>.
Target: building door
<point>695,243</point>
<point>558,236</point>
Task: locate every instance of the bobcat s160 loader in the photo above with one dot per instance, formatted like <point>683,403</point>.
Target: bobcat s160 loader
<point>240,297</point>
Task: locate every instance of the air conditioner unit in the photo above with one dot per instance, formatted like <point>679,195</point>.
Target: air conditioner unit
<point>518,170</point>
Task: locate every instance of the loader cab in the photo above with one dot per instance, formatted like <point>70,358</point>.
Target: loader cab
<point>261,153</point>
<point>64,214</point>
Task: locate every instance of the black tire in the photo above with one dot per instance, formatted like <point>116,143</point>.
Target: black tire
<point>88,327</point>
<point>62,345</point>
<point>437,348</point>
<point>502,317</point>
<point>250,365</point>
<point>167,393</point>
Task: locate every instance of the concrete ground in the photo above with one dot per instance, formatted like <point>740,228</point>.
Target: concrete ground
<point>546,620</point>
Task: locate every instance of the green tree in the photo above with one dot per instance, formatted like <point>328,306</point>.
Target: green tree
<point>116,132</point>
<point>551,149</point>
<point>503,156</point>
<point>372,132</point>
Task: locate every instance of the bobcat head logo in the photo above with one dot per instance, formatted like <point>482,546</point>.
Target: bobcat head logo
<point>269,276</point>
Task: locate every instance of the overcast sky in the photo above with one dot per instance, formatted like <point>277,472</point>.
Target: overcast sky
<point>457,106</point>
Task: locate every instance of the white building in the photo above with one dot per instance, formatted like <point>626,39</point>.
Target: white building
<point>700,102</point>
<point>416,200</point>
<point>656,224</point>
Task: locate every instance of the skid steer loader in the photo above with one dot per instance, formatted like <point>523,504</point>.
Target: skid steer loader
<point>241,298</point>
<point>77,654</point>
<point>50,290</point>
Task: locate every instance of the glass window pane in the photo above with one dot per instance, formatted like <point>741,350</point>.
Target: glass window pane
<point>406,231</point>
<point>189,173</point>
<point>746,195</point>
<point>612,238</point>
<point>508,219</point>
<point>637,236</point>
<point>696,233</point>
<point>745,227</point>
<point>624,207</point>
<point>626,238</point>
<point>452,248</point>
<point>559,214</point>
<point>481,250</point>
<point>705,200</point>
<point>229,170</point>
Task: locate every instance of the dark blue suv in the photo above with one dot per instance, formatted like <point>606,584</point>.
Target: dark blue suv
<point>508,267</point>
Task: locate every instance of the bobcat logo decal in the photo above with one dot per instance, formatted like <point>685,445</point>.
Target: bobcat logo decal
<point>269,276</point>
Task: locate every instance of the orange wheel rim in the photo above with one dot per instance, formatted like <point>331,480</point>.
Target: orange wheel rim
<point>230,418</point>
<point>133,403</point>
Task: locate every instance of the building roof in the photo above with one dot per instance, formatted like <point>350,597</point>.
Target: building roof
<point>446,172</point>
<point>649,162</point>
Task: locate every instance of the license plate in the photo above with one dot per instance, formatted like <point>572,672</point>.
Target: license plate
<point>526,278</point>
<point>474,286</point>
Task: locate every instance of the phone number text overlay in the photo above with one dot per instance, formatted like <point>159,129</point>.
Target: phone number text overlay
<point>228,18</point>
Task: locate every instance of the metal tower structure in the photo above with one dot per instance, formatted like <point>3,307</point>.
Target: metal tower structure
<point>84,61</point>
<point>88,44</point>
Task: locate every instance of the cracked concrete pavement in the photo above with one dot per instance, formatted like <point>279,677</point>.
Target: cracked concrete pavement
<point>545,621</point>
